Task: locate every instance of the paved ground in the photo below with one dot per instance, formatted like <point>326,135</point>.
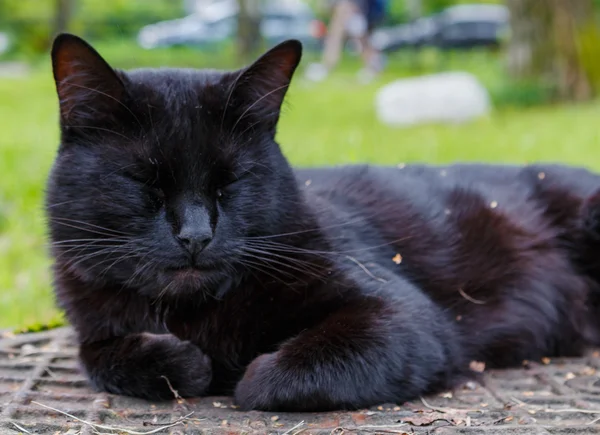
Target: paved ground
<point>41,391</point>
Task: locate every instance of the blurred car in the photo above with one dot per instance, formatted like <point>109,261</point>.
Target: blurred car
<point>462,26</point>
<point>217,22</point>
<point>468,26</point>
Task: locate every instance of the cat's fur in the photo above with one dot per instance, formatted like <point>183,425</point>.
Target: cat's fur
<point>316,289</point>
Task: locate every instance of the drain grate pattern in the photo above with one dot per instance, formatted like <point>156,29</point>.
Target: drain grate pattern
<point>42,391</point>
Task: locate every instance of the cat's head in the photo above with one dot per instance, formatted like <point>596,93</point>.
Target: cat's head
<point>163,174</point>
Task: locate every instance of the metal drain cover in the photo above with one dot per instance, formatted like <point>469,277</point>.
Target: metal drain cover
<point>43,392</point>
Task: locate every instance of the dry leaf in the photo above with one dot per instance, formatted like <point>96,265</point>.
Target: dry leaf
<point>570,376</point>
<point>397,259</point>
<point>477,366</point>
<point>588,371</point>
<point>546,360</point>
<point>446,395</point>
<point>275,418</point>
<point>528,393</point>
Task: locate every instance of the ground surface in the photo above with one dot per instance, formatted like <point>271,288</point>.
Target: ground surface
<point>40,384</point>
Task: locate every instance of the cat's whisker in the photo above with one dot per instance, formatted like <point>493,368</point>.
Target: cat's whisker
<point>310,230</point>
<point>231,90</point>
<point>104,251</point>
<point>250,265</point>
<point>58,204</point>
<point>127,255</point>
<point>123,257</point>
<point>70,83</point>
<point>104,231</point>
<point>108,130</point>
<point>300,263</point>
<point>80,248</point>
<point>258,100</point>
<point>116,171</point>
<point>89,241</point>
<point>281,247</point>
<point>295,249</point>
<point>271,265</point>
<point>141,270</point>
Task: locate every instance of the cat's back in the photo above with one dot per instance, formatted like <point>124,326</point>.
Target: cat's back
<point>448,217</point>
<point>512,184</point>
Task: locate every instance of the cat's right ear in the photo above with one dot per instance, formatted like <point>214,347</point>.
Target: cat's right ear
<point>89,90</point>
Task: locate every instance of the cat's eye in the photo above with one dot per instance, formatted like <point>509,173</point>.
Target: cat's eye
<point>219,193</point>
<point>158,195</point>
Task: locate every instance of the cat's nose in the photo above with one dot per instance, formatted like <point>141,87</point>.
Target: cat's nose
<point>195,232</point>
<point>194,241</point>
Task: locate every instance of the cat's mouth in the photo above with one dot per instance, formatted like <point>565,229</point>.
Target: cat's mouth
<point>196,269</point>
<point>176,269</point>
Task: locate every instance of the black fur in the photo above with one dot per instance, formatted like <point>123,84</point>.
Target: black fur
<point>187,249</point>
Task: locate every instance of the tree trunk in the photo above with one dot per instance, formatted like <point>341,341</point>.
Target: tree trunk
<point>248,37</point>
<point>547,44</point>
<point>62,15</point>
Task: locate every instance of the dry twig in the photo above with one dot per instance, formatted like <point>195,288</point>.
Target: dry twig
<point>95,426</point>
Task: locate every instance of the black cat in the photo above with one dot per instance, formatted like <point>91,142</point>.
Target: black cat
<point>188,253</point>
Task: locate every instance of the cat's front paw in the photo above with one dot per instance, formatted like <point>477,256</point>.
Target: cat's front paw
<point>155,367</point>
<point>186,368</point>
<point>259,387</point>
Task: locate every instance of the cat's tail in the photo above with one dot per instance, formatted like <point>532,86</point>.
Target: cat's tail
<point>590,217</point>
<point>587,254</point>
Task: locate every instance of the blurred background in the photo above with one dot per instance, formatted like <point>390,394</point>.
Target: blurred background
<point>388,82</point>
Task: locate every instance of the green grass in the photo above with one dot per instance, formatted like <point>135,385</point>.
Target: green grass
<point>327,123</point>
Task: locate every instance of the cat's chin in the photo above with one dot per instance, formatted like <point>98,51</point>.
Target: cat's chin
<point>189,281</point>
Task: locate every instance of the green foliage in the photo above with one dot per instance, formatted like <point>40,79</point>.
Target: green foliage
<point>588,47</point>
<point>32,22</point>
<point>522,93</point>
<point>57,322</point>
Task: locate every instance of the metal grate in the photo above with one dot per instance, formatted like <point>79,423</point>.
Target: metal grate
<point>40,383</point>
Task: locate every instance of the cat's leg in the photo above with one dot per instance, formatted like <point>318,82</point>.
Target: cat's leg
<point>374,350</point>
<point>147,365</point>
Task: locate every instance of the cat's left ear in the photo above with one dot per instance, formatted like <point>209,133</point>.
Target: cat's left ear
<point>89,90</point>
<point>262,86</point>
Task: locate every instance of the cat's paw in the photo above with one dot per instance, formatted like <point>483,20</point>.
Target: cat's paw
<point>187,369</point>
<point>259,387</point>
<point>155,367</point>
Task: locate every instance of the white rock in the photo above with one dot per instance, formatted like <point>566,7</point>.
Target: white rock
<point>451,97</point>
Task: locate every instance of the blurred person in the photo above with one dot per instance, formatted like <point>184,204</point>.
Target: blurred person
<point>354,20</point>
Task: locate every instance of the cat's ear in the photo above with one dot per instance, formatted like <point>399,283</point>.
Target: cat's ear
<point>262,86</point>
<point>88,88</point>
